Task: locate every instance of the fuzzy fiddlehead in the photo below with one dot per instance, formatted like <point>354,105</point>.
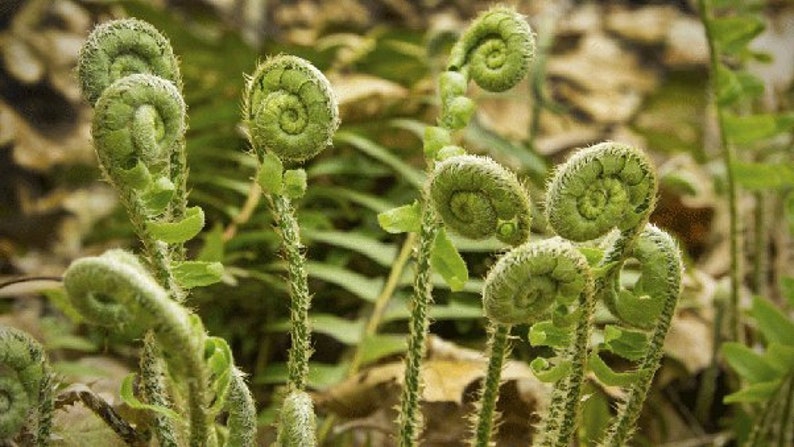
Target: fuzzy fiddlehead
<point>528,281</point>
<point>25,386</point>
<point>290,109</point>
<point>496,50</point>
<point>137,121</point>
<point>297,422</point>
<point>609,185</point>
<point>291,114</point>
<point>535,281</point>
<point>477,198</point>
<point>120,48</point>
<point>116,290</point>
<point>650,306</point>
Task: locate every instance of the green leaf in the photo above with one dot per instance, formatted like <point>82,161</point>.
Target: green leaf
<point>379,252</point>
<point>744,129</point>
<point>343,330</point>
<point>445,259</point>
<point>214,245</point>
<point>218,356</point>
<point>546,333</point>
<point>159,194</point>
<point>732,34</point>
<point>629,344</point>
<point>607,375</point>
<point>270,176</point>
<point>780,357</point>
<point>729,89</point>
<point>378,346</point>
<point>757,392</point>
<point>403,219</point>
<point>763,176</point>
<point>545,372</point>
<point>749,364</point>
<point>129,398</point>
<point>177,232</point>
<point>294,183</point>
<point>359,285</point>
<point>775,326</point>
<point>191,274</point>
<point>380,153</point>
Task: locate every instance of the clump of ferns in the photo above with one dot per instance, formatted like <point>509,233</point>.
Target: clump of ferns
<point>471,195</point>
<point>604,193</point>
<point>128,72</point>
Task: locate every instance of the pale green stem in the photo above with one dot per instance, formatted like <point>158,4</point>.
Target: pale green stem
<point>300,331</point>
<point>623,425</point>
<point>498,350</point>
<point>559,425</point>
<point>734,321</point>
<point>152,375</point>
<point>410,417</point>
<point>242,413</point>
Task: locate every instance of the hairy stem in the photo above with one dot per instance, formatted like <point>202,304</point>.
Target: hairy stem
<point>154,391</point>
<point>410,417</point>
<point>498,350</point>
<point>300,332</point>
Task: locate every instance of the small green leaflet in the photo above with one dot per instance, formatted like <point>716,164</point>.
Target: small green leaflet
<point>545,372</point>
<point>749,364</point>
<point>757,392</point>
<point>445,259</point>
<point>629,344</point>
<point>734,33</point>
<point>270,174</point>
<point>403,219</point>
<point>776,326</point>
<point>744,129</point>
<point>191,274</point>
<point>761,176</point>
<point>607,375</point>
<point>178,232</point>
<point>130,399</point>
<point>545,333</point>
<point>218,356</point>
<point>294,183</point>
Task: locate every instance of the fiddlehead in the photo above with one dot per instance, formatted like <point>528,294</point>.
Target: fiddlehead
<point>25,386</point>
<point>609,185</point>
<point>297,422</point>
<point>527,282</point>
<point>535,281</point>
<point>477,197</point>
<point>290,109</point>
<point>120,48</point>
<point>137,121</point>
<point>650,305</point>
<point>115,290</point>
<point>495,50</point>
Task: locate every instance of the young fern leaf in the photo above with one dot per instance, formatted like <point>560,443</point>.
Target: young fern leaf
<point>291,112</point>
<point>609,185</point>
<point>25,387</point>
<point>526,285</point>
<point>115,290</point>
<point>466,59</point>
<point>296,421</point>
<point>120,48</point>
<point>137,121</point>
<point>495,51</point>
<point>660,280</point>
<point>290,109</point>
<point>477,198</point>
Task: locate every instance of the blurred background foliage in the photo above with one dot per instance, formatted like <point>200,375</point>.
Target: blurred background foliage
<point>630,71</point>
